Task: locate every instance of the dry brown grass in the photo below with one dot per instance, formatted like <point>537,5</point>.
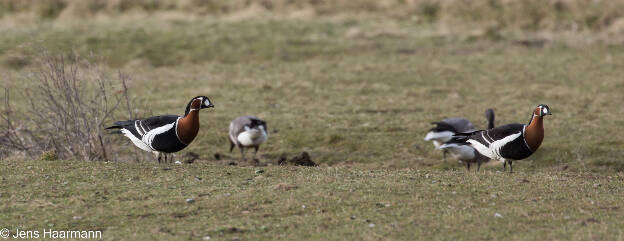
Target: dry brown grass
<point>62,109</point>
<point>574,15</point>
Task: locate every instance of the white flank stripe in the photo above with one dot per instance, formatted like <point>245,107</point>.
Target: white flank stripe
<point>497,145</point>
<point>484,150</point>
<point>493,151</point>
<point>138,143</point>
<point>136,127</point>
<point>485,139</point>
<point>148,138</point>
<point>142,128</point>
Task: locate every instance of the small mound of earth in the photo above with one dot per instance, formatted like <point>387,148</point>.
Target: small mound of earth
<point>302,159</point>
<point>190,157</point>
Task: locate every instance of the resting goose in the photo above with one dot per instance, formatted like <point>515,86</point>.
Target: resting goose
<point>509,142</point>
<point>465,153</point>
<point>165,133</point>
<point>247,131</point>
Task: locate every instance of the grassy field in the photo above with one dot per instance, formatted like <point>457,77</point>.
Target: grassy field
<point>146,202</point>
<point>358,94</point>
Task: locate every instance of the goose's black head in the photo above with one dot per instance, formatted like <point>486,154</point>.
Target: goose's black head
<point>442,126</point>
<point>257,123</point>
<point>542,110</point>
<point>197,103</point>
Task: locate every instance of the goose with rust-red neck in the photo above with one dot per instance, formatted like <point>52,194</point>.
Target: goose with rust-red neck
<point>165,133</point>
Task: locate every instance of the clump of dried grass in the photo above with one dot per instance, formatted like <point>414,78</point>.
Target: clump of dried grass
<point>63,111</point>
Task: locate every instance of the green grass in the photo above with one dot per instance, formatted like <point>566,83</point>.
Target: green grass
<point>358,94</point>
<point>357,91</point>
<point>146,202</point>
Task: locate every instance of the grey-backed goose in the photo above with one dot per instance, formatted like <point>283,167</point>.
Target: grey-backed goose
<point>165,133</point>
<point>247,131</point>
<point>465,153</point>
<point>509,142</point>
<point>445,129</point>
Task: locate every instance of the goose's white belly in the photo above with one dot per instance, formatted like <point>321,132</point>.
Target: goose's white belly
<point>252,137</point>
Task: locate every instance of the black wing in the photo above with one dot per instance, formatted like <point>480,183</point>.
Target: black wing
<point>158,121</point>
<point>459,140</point>
<point>144,125</point>
<point>496,133</point>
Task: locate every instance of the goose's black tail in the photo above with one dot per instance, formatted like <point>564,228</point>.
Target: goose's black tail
<point>118,125</point>
<point>462,137</point>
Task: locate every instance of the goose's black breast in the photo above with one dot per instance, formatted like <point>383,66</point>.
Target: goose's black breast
<point>516,149</point>
<point>168,141</point>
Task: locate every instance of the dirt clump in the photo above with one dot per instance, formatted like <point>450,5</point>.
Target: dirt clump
<point>302,159</point>
<point>284,186</point>
<point>190,157</point>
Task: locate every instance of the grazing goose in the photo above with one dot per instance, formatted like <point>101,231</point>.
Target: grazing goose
<point>247,131</point>
<point>445,129</point>
<point>165,133</point>
<point>465,153</point>
<point>509,142</point>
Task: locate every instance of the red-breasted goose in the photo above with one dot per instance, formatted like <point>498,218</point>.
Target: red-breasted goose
<point>247,131</point>
<point>465,153</point>
<point>510,142</point>
<point>165,133</point>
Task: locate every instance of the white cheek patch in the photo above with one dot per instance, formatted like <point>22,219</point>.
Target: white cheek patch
<point>545,111</point>
<point>207,102</point>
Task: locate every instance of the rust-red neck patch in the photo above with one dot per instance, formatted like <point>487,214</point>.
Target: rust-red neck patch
<point>534,132</point>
